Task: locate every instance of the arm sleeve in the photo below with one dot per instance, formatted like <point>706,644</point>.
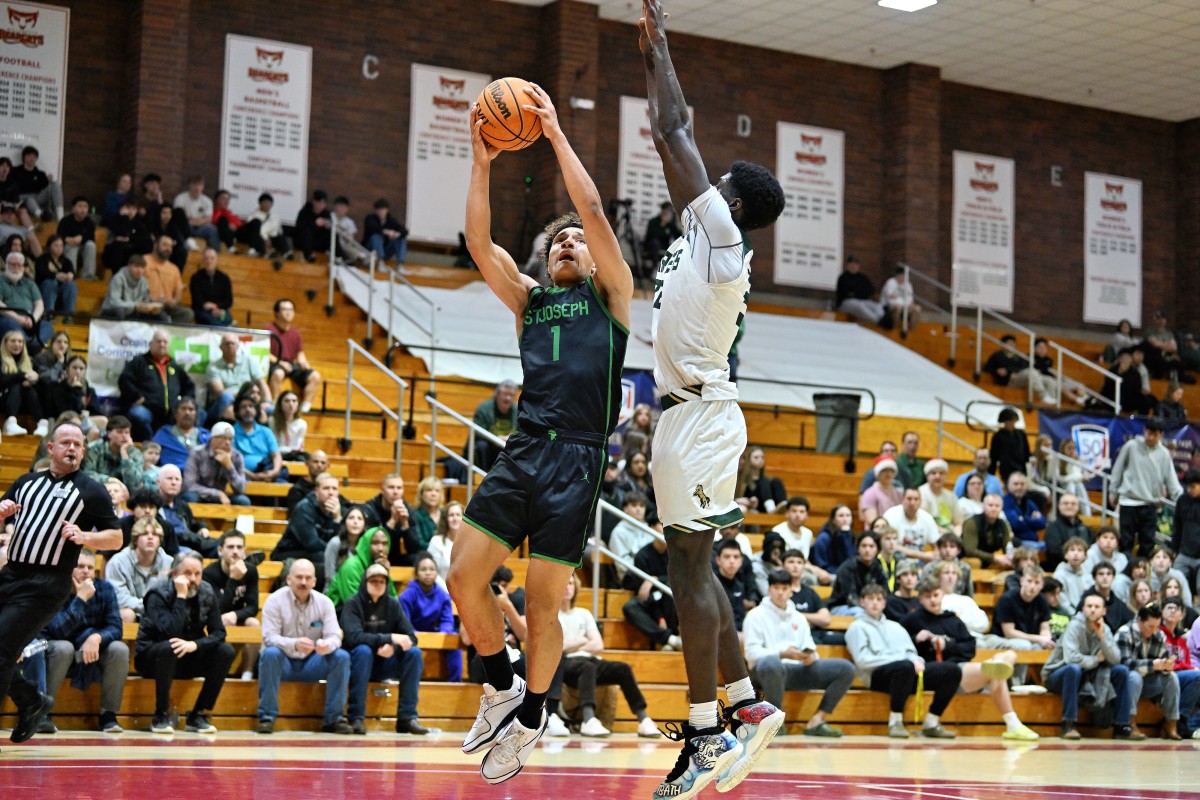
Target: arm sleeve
<point>304,527</point>
<point>272,625</point>
<point>352,629</point>
<point>756,641</point>
<point>1072,643</point>
<point>113,630</point>
<point>237,475</point>
<point>251,607</point>
<point>446,623</point>
<point>69,619</point>
<point>331,628</point>
<point>216,630</point>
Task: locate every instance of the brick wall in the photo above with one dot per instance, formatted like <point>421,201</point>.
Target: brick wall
<point>145,93</point>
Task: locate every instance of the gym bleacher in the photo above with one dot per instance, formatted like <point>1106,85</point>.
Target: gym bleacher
<point>788,435</point>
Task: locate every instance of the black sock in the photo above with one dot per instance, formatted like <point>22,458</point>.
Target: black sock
<point>552,705</point>
<point>498,669</point>
<point>530,714</point>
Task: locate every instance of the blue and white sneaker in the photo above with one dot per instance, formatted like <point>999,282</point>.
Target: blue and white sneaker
<point>754,724</point>
<point>512,749</point>
<point>496,710</point>
<point>706,754</point>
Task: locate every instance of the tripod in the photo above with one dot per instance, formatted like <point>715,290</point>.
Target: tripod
<point>625,234</point>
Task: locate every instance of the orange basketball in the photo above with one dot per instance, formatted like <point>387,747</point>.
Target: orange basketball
<point>505,124</point>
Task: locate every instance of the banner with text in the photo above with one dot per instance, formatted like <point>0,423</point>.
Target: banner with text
<point>33,82</point>
<point>640,175</point>
<point>982,243</point>
<point>1112,250</point>
<point>112,343</point>
<point>439,151</point>
<point>810,165</point>
<point>264,124</point>
<point>1098,438</point>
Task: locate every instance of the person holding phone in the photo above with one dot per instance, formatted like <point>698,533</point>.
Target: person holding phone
<point>1151,671</point>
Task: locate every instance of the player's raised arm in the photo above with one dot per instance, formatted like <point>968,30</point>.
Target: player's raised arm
<point>612,274</point>
<point>670,123</point>
<point>494,262</point>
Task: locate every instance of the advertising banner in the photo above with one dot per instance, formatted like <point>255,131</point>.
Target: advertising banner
<point>112,343</point>
<point>1098,439</point>
<point>265,124</point>
<point>810,165</point>
<point>982,225</point>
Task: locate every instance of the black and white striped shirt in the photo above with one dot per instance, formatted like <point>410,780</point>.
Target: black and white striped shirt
<point>46,503</point>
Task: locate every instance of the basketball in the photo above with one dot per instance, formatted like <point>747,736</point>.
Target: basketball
<point>505,124</point>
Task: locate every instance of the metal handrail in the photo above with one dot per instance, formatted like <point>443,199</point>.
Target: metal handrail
<point>1057,489</point>
<point>980,334</point>
<point>395,274</point>
<point>596,542</point>
<point>942,433</point>
<point>352,384</point>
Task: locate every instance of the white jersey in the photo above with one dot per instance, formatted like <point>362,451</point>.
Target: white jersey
<point>696,315</point>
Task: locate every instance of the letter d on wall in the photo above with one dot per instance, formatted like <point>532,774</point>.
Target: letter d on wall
<point>743,126</point>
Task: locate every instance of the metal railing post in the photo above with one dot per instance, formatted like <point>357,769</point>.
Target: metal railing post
<point>953,329</point>
<point>368,341</point>
<point>392,337</point>
<point>470,463</point>
<point>1032,370</point>
<point>1058,389</point>
<point>904,313</point>
<point>941,412</point>
<point>332,261</point>
<point>399,416</point>
<point>978,341</point>
<point>349,388</point>
<point>432,450</point>
<point>433,348</point>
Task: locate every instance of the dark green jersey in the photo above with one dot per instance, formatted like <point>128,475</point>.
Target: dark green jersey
<point>572,351</point>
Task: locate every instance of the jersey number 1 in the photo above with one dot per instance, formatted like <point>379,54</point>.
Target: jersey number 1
<point>555,332</point>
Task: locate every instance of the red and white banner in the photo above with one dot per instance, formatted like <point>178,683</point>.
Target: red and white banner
<point>640,175</point>
<point>265,124</point>
<point>33,82</point>
<point>439,151</point>
<point>810,165</point>
<point>1112,249</point>
<point>982,231</point>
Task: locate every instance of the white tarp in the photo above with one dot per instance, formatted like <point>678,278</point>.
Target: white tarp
<point>1112,250</point>
<point>33,82</point>
<point>776,347</point>
<point>265,124</point>
<point>439,151</point>
<point>810,165</point>
<point>982,231</point>
<point>112,343</point>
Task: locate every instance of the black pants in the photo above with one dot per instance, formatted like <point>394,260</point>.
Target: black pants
<point>159,662</point>
<point>18,399</point>
<point>1138,524</point>
<point>310,238</point>
<point>899,680</point>
<point>29,599</point>
<point>644,615</point>
<point>584,674</point>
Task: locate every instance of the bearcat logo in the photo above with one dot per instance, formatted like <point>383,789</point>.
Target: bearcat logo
<point>268,60</point>
<point>450,94</point>
<point>21,31</point>
<point>1113,192</point>
<point>985,177</point>
<point>810,149</point>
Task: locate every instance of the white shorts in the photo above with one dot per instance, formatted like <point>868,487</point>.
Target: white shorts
<point>697,445</point>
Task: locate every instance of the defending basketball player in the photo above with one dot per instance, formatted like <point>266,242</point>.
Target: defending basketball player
<point>545,483</point>
<point>701,291</point>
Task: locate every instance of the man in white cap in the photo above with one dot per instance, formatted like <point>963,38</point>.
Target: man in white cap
<point>882,495</point>
<point>938,499</point>
<point>213,468</point>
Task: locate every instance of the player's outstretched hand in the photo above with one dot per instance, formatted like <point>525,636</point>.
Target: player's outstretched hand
<point>652,24</point>
<point>543,106</point>
<point>483,151</point>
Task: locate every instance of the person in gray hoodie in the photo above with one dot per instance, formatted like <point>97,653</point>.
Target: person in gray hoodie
<point>131,570</point>
<point>1086,661</point>
<point>887,662</point>
<point>128,295</point>
<point>1141,476</point>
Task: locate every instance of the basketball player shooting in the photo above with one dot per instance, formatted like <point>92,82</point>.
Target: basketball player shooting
<point>545,483</point>
<point>701,290</point>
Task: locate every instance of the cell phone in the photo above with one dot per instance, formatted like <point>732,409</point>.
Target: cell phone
<point>495,588</point>
<point>254,559</point>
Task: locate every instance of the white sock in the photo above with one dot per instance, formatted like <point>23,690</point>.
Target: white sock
<point>702,715</point>
<point>740,691</point>
<point>1010,719</point>
<point>895,718</point>
<point>931,721</point>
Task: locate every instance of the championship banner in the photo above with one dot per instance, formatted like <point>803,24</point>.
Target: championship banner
<point>33,82</point>
<point>439,151</point>
<point>640,177</point>
<point>983,222</point>
<point>810,165</point>
<point>264,124</point>
<point>1112,256</point>
<point>112,343</point>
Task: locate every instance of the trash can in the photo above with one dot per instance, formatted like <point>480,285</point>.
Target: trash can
<point>837,422</point>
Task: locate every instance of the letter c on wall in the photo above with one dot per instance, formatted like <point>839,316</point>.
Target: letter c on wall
<point>368,67</point>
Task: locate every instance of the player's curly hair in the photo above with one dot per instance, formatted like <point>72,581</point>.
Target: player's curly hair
<point>570,220</point>
<point>761,195</point>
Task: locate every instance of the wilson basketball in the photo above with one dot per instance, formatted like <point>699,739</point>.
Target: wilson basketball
<point>505,124</point>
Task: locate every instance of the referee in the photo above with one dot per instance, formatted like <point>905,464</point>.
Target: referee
<point>55,515</point>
